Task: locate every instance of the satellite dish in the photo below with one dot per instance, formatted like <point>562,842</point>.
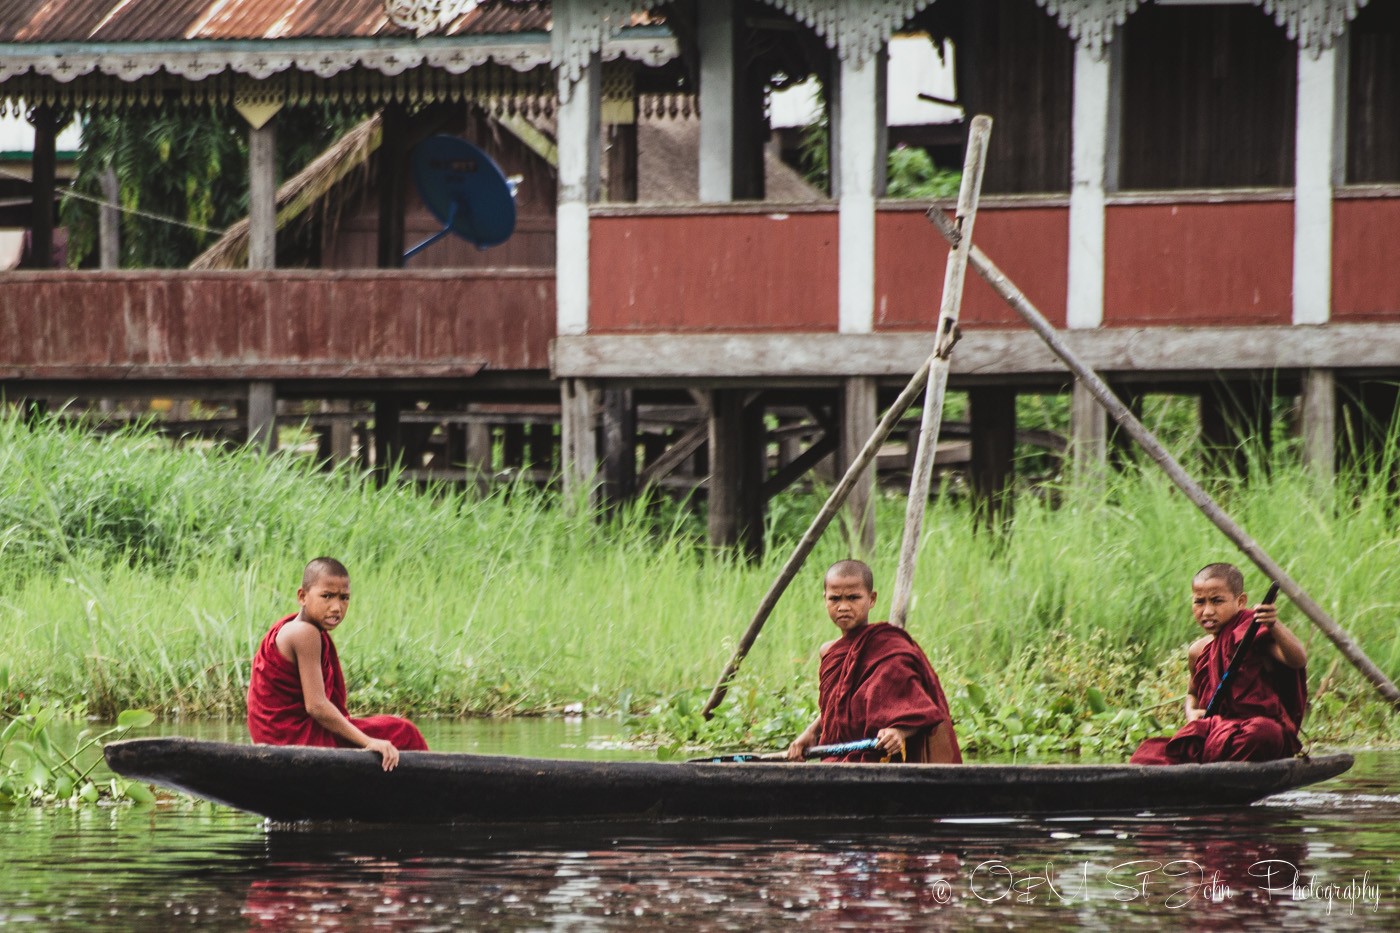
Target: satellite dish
<point>465,190</point>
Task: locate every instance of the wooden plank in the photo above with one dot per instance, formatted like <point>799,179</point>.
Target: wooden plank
<point>278,370</point>
<point>830,357</point>
<point>678,453</point>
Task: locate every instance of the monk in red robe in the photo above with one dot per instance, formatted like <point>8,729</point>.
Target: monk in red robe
<point>875,682</point>
<point>1264,699</point>
<point>297,692</point>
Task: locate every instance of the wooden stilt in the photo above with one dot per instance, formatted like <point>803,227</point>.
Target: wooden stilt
<point>578,423</point>
<point>734,493</point>
<point>1198,496</point>
<point>859,413</point>
<point>388,447</point>
<point>992,413</point>
<point>1320,423</point>
<point>619,437</point>
<point>44,168</point>
<point>262,415</point>
<point>974,164</point>
<point>1088,429</point>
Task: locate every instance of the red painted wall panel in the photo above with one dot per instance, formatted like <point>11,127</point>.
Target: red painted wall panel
<point>713,272</point>
<point>1366,260</point>
<point>51,319</point>
<point>1200,263</point>
<point>1029,244</point>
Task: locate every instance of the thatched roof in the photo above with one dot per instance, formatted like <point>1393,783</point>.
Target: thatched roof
<point>299,193</point>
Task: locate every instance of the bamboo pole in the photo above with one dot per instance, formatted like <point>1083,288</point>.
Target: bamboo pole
<point>1004,287</point>
<point>931,423</point>
<point>814,531</point>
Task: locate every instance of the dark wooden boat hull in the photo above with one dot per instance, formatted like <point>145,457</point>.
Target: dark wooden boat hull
<point>293,783</point>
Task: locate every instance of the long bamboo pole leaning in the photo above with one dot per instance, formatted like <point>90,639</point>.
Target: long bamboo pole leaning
<point>974,164</point>
<point>1022,305</point>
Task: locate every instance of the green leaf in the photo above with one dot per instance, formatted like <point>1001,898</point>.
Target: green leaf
<point>89,793</point>
<point>135,718</point>
<point>138,793</point>
<point>976,695</point>
<point>1094,697</point>
<point>63,787</point>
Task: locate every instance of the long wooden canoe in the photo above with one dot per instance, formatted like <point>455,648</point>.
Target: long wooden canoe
<point>294,783</point>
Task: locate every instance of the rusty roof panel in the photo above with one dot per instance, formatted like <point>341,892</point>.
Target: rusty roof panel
<point>36,21</point>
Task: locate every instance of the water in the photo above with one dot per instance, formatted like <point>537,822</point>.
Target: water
<point>1322,857</point>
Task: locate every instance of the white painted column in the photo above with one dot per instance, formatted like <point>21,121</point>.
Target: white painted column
<point>1093,158</point>
<point>1320,124</point>
<point>580,104</point>
<point>715,36</point>
<point>859,179</point>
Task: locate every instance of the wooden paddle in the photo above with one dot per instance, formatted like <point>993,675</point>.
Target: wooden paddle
<point>816,751</point>
<point>1241,650</point>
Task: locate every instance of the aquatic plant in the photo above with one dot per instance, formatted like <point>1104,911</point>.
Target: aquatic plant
<point>36,769</point>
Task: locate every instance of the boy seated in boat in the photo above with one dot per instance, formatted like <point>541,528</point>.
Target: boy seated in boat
<point>297,692</point>
<point>1264,698</point>
<point>875,682</point>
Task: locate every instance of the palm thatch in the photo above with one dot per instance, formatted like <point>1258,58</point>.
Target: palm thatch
<point>300,192</point>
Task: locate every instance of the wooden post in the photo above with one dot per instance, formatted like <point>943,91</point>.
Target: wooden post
<point>1088,428</point>
<point>393,187</point>
<point>619,455</point>
<point>1320,423</point>
<point>992,413</point>
<point>1198,496</point>
<point>737,468</point>
<point>946,334</point>
<point>539,439</point>
<point>388,447</point>
<point>109,227</point>
<point>262,415</point>
<point>578,423</point>
<point>43,170</point>
<point>859,413</point>
<point>262,195</point>
<point>622,162</point>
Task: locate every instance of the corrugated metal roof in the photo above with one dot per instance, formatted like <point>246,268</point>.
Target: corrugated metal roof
<point>42,21</point>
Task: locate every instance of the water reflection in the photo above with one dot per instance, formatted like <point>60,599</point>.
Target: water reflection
<point>1302,860</point>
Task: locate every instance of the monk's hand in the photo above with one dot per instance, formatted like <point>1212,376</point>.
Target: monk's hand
<point>386,751</point>
<point>1267,615</point>
<point>890,740</point>
<point>797,751</point>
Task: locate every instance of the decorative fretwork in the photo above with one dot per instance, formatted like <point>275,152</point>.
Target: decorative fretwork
<point>1091,22</point>
<point>856,29</point>
<point>1313,24</point>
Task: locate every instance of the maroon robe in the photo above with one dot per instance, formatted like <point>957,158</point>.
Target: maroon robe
<point>1258,715</point>
<point>875,677</point>
<point>277,709</point>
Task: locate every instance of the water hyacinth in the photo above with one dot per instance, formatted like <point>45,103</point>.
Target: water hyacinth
<point>134,574</point>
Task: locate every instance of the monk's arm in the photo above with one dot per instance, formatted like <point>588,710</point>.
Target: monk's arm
<point>305,644</point>
<point>1286,649</point>
<point>1194,711</point>
<point>806,740</point>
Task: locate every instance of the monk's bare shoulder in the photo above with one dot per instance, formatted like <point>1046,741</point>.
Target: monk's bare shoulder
<point>297,637</point>
<point>1197,646</point>
<point>827,647</point>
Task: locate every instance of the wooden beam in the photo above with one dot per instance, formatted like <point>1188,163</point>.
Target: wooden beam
<point>1320,423</point>
<point>393,187</point>
<point>262,415</point>
<point>262,195</point>
<point>619,438</point>
<point>677,454</point>
<point>992,412</point>
<point>799,466</point>
<point>109,227</point>
<point>859,415</point>
<point>828,358</point>
<point>736,505</point>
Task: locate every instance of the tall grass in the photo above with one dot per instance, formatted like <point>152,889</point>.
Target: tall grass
<point>136,575</point>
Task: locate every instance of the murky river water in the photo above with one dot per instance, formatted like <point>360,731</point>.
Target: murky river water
<point>1321,858</point>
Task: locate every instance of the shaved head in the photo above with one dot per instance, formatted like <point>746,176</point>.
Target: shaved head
<point>851,570</point>
<point>1228,574</point>
<point>322,567</point>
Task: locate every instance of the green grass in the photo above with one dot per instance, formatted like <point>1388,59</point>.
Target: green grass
<point>136,575</point>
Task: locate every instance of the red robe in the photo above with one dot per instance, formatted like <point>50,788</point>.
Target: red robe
<point>875,677</point>
<point>1258,715</point>
<point>277,710</point>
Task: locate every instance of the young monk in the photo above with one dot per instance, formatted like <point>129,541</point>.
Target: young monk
<point>1259,713</point>
<point>875,682</point>
<point>297,692</point>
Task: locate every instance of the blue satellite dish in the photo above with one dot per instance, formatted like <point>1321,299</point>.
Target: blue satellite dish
<point>465,190</point>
